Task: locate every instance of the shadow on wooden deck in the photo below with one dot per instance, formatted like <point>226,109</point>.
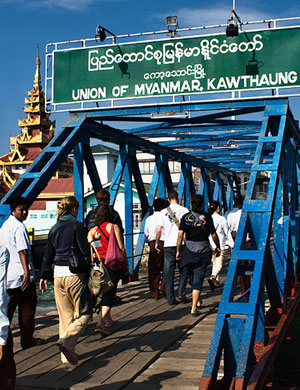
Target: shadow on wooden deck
<point>152,346</point>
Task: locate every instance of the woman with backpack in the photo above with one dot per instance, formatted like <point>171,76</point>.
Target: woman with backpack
<point>101,234</point>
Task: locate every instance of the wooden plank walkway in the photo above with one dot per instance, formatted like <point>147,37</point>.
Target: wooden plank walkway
<point>152,346</point>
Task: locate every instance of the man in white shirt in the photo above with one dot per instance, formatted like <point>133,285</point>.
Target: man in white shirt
<point>234,216</point>
<point>169,222</point>
<point>233,220</point>
<point>156,275</point>
<point>7,363</point>
<point>225,240</point>
<point>20,273</point>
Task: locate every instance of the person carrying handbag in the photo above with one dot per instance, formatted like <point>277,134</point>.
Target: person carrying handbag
<point>68,245</point>
<point>109,243</point>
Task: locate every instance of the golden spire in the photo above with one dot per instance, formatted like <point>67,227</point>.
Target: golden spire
<point>37,77</point>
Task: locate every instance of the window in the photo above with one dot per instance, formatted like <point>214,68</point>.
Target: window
<point>136,221</point>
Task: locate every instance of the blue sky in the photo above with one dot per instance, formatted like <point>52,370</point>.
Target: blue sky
<point>24,25</point>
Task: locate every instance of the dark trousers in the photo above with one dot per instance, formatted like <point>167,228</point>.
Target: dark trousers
<point>156,273</point>
<point>183,278</point>
<point>8,366</point>
<point>26,302</point>
<point>170,265</point>
<point>108,297</point>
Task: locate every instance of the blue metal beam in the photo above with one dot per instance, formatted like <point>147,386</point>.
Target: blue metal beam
<point>256,223</point>
<point>91,166</point>
<point>36,178</point>
<point>159,130</point>
<point>110,134</point>
<point>78,179</point>
<point>239,324</point>
<point>166,108</point>
<point>199,141</point>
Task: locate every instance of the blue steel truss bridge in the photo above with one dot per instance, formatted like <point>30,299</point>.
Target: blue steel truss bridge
<point>220,140</point>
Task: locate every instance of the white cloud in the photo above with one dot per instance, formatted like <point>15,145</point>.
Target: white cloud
<point>72,5</point>
<point>214,15</point>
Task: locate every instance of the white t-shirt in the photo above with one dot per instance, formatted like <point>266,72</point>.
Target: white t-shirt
<point>151,226</point>
<point>4,299</point>
<point>14,236</point>
<point>233,219</point>
<point>222,231</point>
<point>170,228</point>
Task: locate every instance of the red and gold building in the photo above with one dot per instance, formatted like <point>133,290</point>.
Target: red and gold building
<point>37,130</point>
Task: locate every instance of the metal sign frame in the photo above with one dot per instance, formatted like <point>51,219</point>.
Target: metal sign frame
<point>239,94</point>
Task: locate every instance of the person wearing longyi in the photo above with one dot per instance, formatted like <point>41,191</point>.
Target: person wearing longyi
<point>156,273</point>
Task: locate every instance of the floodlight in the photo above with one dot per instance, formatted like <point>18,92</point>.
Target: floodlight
<point>232,30</point>
<point>172,21</point>
<point>101,33</point>
<point>172,24</point>
<point>233,24</point>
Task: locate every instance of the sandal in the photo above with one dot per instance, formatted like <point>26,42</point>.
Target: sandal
<point>71,356</point>
<point>212,282</point>
<point>109,324</point>
<point>102,331</point>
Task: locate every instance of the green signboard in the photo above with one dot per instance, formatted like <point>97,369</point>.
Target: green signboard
<point>178,66</point>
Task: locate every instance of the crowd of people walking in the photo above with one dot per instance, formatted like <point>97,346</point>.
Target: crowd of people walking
<point>190,239</point>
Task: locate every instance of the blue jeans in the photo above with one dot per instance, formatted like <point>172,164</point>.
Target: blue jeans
<point>197,271</point>
<point>170,264</point>
<point>184,274</point>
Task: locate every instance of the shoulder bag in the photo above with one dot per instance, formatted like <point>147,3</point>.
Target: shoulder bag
<point>99,281</point>
<point>78,263</point>
<point>114,259</point>
<point>176,221</point>
<point>173,216</point>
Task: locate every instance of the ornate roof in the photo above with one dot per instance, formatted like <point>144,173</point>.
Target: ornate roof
<point>37,130</point>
